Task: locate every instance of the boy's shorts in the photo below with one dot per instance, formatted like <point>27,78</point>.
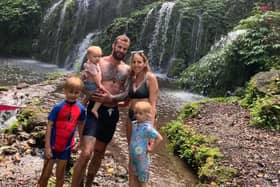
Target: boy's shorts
<point>65,155</point>
<point>104,127</point>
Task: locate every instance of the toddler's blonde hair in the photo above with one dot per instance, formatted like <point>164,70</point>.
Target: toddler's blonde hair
<point>143,106</point>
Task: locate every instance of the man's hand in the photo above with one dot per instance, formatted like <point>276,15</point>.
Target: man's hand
<point>102,96</point>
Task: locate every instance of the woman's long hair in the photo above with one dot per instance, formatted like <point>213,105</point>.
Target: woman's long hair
<point>145,59</point>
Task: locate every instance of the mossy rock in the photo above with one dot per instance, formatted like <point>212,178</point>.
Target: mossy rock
<point>31,117</point>
<point>268,82</point>
<point>261,85</point>
<point>13,128</point>
<point>39,138</point>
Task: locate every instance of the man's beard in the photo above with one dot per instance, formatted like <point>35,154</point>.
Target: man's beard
<point>118,56</point>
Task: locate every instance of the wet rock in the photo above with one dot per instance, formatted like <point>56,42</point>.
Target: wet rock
<point>22,85</point>
<point>11,139</point>
<point>31,142</point>
<point>7,150</point>
<point>23,136</point>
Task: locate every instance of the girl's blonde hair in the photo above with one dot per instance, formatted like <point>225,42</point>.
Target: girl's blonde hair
<point>143,106</point>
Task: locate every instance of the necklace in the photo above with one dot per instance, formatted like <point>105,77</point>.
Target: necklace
<point>139,79</point>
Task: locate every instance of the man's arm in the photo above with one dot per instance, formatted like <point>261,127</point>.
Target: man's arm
<point>106,97</point>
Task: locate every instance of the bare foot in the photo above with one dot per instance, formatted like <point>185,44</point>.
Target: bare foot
<point>95,113</point>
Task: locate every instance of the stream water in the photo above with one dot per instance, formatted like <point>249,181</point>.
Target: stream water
<point>167,169</point>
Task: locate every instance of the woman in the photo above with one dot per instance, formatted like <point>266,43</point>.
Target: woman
<point>143,87</point>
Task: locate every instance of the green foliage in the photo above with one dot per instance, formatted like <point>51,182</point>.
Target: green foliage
<point>12,128</point>
<point>224,70</point>
<point>207,76</point>
<point>54,75</point>
<point>131,26</point>
<point>251,95</point>
<point>262,99</point>
<point>24,118</point>
<point>266,113</point>
<point>212,170</point>
<point>19,20</point>
<point>189,111</point>
<point>197,151</point>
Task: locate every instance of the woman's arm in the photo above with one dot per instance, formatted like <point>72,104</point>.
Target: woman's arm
<point>153,96</point>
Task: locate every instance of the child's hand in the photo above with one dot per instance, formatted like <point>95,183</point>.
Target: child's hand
<point>48,153</point>
<point>150,145</point>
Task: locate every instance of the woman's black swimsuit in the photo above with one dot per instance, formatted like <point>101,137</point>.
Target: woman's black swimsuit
<point>141,92</point>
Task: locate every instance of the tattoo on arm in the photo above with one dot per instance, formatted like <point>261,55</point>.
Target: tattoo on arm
<point>123,94</point>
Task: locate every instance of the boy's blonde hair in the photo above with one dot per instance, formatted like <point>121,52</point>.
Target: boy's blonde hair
<point>73,83</point>
<point>143,106</point>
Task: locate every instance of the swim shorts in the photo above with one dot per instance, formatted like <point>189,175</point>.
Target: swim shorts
<point>104,127</point>
<point>65,155</point>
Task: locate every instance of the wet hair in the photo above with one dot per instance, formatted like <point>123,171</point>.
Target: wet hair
<point>145,59</point>
<point>123,38</point>
<point>73,83</point>
<point>143,106</point>
<point>93,49</point>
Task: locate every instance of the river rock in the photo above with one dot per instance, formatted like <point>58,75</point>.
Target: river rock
<point>268,82</point>
<point>23,136</point>
<point>8,150</point>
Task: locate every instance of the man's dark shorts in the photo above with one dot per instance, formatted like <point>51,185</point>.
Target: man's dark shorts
<point>104,127</point>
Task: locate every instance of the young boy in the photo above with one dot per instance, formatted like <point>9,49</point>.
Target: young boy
<point>91,75</point>
<point>59,138</point>
<point>142,133</point>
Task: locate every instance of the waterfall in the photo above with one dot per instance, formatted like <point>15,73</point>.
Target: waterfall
<point>67,22</point>
<point>176,42</point>
<point>197,33</point>
<point>80,16</point>
<point>144,25</point>
<point>59,32</point>
<point>159,38</point>
<point>226,40</point>
<point>51,10</point>
<point>76,57</point>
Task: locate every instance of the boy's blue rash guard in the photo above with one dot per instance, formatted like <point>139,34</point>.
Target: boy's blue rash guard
<point>65,116</point>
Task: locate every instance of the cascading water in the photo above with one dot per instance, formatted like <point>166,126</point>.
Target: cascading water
<point>144,27</point>
<point>159,38</point>
<point>58,34</point>
<point>80,16</point>
<point>51,10</point>
<point>197,33</point>
<point>226,40</point>
<point>176,42</point>
<point>67,22</point>
<point>76,57</point>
